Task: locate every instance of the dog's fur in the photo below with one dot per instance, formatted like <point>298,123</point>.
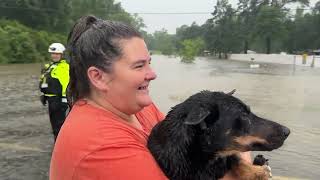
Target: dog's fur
<point>201,138</point>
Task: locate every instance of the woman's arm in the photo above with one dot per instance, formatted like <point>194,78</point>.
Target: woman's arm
<point>132,163</point>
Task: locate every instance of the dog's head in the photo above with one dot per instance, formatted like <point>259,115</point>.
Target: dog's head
<point>225,125</point>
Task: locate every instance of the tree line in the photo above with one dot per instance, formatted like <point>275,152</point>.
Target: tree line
<point>27,27</point>
<point>264,26</point>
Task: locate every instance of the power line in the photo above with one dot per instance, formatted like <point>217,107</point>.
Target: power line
<point>141,13</point>
<point>48,9</point>
<point>171,13</point>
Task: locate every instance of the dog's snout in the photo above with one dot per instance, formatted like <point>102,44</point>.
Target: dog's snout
<point>285,131</point>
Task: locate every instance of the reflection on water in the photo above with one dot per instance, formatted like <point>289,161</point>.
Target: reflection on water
<point>273,91</point>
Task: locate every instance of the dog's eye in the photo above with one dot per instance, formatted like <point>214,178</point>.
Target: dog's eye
<point>238,124</point>
<point>242,124</point>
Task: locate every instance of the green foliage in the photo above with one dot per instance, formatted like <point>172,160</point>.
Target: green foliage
<point>149,39</point>
<point>249,10</point>
<point>262,26</point>
<point>304,31</point>
<point>60,15</point>
<point>43,39</point>
<point>4,49</point>
<point>270,25</point>
<point>188,32</point>
<point>222,35</point>
<point>40,14</point>
<point>105,9</point>
<point>50,22</point>
<point>163,42</point>
<point>190,49</point>
<point>21,44</point>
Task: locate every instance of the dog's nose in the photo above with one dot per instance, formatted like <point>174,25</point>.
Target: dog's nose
<point>285,131</point>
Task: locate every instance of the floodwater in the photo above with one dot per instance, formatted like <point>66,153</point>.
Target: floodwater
<point>278,92</point>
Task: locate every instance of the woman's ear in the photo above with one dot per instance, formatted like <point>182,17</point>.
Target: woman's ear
<point>98,78</point>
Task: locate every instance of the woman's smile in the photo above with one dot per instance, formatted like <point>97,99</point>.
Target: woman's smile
<point>143,88</point>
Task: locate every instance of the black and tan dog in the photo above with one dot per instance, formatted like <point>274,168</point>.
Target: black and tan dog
<point>200,139</point>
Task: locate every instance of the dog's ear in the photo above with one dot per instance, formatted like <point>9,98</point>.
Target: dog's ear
<point>196,115</point>
<point>231,92</point>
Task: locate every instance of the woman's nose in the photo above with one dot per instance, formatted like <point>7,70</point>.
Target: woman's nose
<point>151,75</point>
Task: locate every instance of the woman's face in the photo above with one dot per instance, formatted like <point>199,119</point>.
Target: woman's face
<point>130,79</point>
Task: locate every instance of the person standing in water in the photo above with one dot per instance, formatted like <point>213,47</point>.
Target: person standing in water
<point>53,84</point>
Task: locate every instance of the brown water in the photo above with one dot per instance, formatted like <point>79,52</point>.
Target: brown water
<point>273,91</point>
<point>25,134</point>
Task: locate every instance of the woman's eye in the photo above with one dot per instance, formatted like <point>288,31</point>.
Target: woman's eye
<point>139,66</point>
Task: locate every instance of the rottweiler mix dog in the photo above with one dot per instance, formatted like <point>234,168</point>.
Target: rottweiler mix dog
<point>201,138</point>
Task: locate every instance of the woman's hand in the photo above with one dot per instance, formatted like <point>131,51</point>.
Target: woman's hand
<point>246,156</point>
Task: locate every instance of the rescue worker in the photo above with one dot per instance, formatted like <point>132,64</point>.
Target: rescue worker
<point>53,84</point>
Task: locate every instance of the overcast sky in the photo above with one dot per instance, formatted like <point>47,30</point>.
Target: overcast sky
<point>172,21</point>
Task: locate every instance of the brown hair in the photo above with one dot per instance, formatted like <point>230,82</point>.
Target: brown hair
<point>94,42</point>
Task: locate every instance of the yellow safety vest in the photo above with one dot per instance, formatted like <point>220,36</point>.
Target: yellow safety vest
<point>55,79</point>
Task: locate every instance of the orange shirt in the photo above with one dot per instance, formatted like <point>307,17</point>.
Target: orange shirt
<point>95,144</point>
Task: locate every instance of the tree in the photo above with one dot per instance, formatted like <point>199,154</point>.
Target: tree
<point>190,49</point>
<point>248,11</point>
<point>60,15</point>
<point>246,19</point>
<point>188,32</point>
<point>164,42</point>
<point>221,35</point>
<point>5,48</point>
<point>105,9</point>
<point>269,25</point>
<point>40,14</point>
<point>21,44</point>
<point>150,41</point>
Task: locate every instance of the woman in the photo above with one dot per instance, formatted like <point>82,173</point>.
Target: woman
<point>105,134</point>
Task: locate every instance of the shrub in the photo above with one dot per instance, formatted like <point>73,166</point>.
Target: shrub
<point>20,44</point>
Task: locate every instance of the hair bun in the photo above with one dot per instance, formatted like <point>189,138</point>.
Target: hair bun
<point>82,25</point>
<point>90,19</point>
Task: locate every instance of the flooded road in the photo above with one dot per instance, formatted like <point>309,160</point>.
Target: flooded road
<point>273,91</point>
<point>25,133</point>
